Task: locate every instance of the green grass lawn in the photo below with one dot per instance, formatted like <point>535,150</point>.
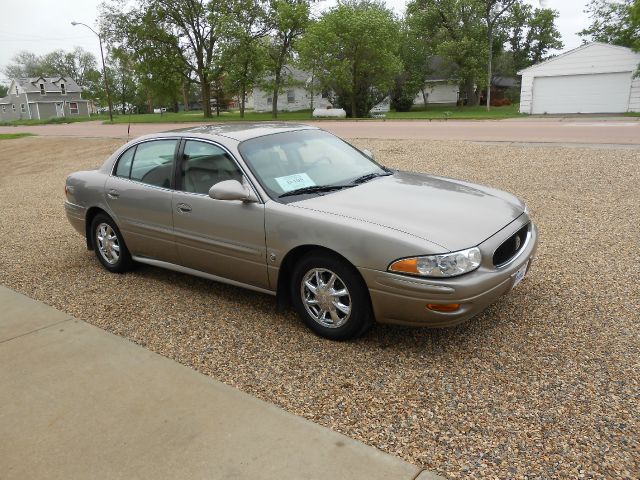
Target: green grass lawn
<point>55,120</point>
<point>11,136</point>
<point>432,113</point>
<point>437,112</point>
<point>198,116</point>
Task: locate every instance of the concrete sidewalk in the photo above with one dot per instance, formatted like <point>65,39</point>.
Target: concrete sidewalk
<point>78,402</point>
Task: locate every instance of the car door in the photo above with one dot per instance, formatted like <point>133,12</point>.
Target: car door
<point>220,237</point>
<point>139,194</point>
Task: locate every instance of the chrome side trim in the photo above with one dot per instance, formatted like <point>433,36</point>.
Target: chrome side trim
<point>198,273</point>
<point>517,255</point>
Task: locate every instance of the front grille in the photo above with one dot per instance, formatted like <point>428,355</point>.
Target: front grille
<point>510,247</point>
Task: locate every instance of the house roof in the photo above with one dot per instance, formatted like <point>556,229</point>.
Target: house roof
<point>441,68</point>
<point>572,51</point>
<point>505,82</point>
<point>51,84</point>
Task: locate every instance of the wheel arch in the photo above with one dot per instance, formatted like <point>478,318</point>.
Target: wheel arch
<point>91,214</point>
<point>283,291</point>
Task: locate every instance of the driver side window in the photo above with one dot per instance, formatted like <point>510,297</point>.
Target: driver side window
<point>204,165</point>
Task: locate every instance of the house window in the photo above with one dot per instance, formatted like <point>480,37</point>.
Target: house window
<point>269,100</point>
<point>62,88</point>
<point>291,96</point>
<point>13,107</point>
<point>22,109</point>
<point>16,90</point>
<point>4,108</point>
<point>42,92</point>
<point>325,94</point>
<point>73,108</point>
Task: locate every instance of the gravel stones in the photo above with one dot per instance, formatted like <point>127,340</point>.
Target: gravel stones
<point>544,384</point>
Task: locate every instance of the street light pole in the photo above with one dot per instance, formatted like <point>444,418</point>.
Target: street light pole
<point>104,68</point>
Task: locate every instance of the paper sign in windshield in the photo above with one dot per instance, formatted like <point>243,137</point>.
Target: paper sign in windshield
<point>295,181</point>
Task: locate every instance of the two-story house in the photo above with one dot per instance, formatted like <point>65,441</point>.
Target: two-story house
<point>41,98</point>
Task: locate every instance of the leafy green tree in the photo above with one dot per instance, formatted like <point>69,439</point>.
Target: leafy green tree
<point>188,32</point>
<point>458,31</point>
<point>24,64</point>
<point>493,11</point>
<point>288,19</point>
<point>530,34</point>
<point>416,52</point>
<point>77,64</point>
<point>356,47</point>
<point>4,89</point>
<point>612,21</point>
<point>245,54</point>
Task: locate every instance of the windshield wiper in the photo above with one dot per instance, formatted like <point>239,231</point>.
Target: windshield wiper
<point>370,176</point>
<point>314,189</point>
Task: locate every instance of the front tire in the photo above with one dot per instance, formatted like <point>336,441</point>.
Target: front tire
<point>109,245</point>
<point>330,297</point>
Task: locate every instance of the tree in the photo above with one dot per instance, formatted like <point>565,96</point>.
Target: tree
<point>245,54</point>
<point>458,31</point>
<point>612,21</point>
<point>23,65</point>
<point>77,64</point>
<point>493,10</point>
<point>187,31</point>
<point>4,89</point>
<point>288,21</point>
<point>355,46</point>
<point>530,35</point>
<point>416,52</point>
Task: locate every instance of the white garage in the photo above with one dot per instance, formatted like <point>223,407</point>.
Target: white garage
<point>593,78</point>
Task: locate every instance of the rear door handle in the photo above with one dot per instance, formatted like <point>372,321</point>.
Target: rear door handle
<point>113,193</point>
<point>184,208</point>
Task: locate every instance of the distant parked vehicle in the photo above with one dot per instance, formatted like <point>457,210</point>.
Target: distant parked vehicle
<point>159,110</point>
<point>296,212</point>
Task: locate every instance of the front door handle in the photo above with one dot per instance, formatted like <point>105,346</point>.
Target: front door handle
<point>184,208</point>
<point>113,193</point>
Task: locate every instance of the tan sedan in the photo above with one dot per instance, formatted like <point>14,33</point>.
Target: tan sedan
<point>293,211</point>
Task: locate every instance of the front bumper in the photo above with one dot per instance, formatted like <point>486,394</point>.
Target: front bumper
<point>401,299</point>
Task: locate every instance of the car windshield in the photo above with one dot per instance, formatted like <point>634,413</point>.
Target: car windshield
<point>306,161</point>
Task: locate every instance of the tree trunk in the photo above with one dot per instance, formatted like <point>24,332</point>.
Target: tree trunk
<point>425,96</point>
<point>489,73</point>
<point>354,85</point>
<point>276,88</point>
<point>243,98</point>
<point>206,96</point>
<point>185,96</point>
<point>470,92</point>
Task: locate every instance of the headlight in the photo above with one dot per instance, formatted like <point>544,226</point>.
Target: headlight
<point>445,265</point>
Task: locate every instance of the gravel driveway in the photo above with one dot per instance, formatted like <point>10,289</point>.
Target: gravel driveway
<point>545,384</point>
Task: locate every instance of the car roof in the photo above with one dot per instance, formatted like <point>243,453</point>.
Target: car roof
<point>241,131</point>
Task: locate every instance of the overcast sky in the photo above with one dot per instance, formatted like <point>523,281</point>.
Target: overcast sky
<point>41,26</point>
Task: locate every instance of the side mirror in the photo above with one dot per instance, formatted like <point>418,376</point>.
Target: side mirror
<point>232,190</point>
<point>368,154</point>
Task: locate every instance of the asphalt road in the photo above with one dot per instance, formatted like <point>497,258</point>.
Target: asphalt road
<point>583,131</point>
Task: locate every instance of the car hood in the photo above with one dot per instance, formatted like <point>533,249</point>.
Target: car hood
<point>450,213</point>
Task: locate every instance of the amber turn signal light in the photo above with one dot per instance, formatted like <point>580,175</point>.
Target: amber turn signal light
<point>408,265</point>
<point>447,307</point>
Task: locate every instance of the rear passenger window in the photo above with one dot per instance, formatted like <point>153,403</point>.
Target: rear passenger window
<point>124,164</point>
<point>153,162</point>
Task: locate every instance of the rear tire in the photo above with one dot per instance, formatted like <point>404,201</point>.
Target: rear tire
<point>108,243</point>
<point>330,297</point>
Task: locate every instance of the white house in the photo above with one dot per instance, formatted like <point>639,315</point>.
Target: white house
<point>442,86</point>
<point>295,97</point>
<point>593,78</point>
